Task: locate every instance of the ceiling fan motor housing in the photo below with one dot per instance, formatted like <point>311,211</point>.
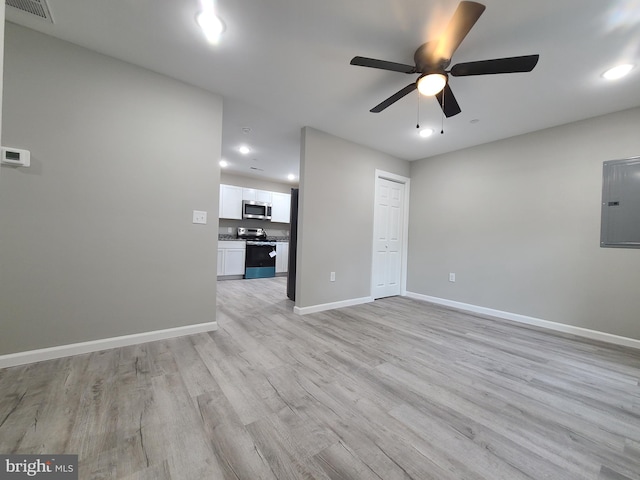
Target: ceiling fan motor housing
<point>424,56</point>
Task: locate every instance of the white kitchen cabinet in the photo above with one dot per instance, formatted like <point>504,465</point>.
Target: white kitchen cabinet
<point>280,207</point>
<point>249,194</point>
<point>256,195</point>
<point>220,261</point>
<point>282,257</point>
<point>231,198</point>
<point>234,261</point>
<point>231,255</point>
<point>263,196</point>
<point>230,202</point>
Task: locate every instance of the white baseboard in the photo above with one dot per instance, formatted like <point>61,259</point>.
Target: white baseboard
<point>60,351</point>
<point>515,317</point>
<point>330,306</point>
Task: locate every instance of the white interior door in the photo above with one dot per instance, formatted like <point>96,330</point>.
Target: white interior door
<point>388,239</point>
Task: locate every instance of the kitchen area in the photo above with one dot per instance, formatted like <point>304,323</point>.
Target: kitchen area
<point>254,231</point>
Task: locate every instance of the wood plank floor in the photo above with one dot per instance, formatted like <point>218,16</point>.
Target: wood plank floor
<point>395,389</point>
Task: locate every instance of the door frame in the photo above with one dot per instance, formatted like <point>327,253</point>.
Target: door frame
<point>405,226</point>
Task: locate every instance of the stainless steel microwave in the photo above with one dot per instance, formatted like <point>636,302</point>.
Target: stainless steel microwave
<point>256,210</point>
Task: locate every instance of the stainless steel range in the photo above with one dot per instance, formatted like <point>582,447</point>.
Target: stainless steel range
<point>260,257</point>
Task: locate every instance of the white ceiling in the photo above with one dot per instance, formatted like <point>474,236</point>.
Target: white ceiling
<point>284,64</point>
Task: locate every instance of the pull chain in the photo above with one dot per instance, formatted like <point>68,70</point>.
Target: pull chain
<point>418,117</point>
<point>442,128</point>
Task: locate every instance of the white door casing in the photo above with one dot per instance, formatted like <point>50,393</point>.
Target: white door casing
<point>389,242</point>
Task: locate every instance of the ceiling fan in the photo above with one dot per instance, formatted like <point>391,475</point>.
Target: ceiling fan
<point>433,58</point>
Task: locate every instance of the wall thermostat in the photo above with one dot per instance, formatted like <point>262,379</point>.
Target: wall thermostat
<point>15,157</point>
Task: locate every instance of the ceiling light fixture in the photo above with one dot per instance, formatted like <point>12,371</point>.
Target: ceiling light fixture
<point>618,71</point>
<point>212,26</point>
<point>244,150</point>
<point>224,163</point>
<point>431,84</point>
<point>426,132</point>
<point>291,177</point>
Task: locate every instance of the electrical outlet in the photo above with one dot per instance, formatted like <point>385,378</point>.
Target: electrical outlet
<point>332,277</point>
<point>452,277</point>
<point>199,217</point>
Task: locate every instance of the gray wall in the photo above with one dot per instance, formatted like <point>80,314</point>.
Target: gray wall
<point>258,183</point>
<point>337,186</point>
<point>518,221</point>
<point>96,238</point>
<point>2,8</point>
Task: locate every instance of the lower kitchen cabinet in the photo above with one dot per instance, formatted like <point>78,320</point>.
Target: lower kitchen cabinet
<point>231,256</point>
<point>234,261</point>
<point>220,261</point>
<point>282,257</point>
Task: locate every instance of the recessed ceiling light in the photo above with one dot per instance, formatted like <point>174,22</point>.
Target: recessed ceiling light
<point>212,26</point>
<point>291,176</point>
<point>246,130</point>
<point>426,132</point>
<point>617,72</point>
<point>224,163</point>
<point>244,150</point>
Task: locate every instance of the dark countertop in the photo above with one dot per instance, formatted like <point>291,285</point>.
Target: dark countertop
<point>229,237</point>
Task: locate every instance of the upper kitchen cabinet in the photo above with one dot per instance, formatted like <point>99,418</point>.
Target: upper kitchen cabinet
<point>256,195</point>
<point>230,202</point>
<point>280,207</point>
<point>231,198</point>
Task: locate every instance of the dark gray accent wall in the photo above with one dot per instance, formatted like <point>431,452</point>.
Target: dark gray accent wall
<point>96,238</point>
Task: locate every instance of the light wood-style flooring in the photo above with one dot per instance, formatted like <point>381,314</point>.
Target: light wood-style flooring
<point>394,389</point>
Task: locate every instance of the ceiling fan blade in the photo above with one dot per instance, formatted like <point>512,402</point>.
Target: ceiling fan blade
<point>525,63</point>
<point>394,98</point>
<point>383,65</point>
<point>464,18</point>
<point>450,107</point>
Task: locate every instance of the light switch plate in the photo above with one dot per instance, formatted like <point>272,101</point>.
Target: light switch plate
<point>199,217</point>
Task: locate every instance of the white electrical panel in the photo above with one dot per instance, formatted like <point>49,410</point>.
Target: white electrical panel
<point>15,157</point>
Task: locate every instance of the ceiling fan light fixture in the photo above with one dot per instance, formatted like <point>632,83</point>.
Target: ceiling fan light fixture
<point>618,71</point>
<point>431,84</point>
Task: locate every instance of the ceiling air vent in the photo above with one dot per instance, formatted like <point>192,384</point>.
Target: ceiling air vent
<point>39,8</point>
